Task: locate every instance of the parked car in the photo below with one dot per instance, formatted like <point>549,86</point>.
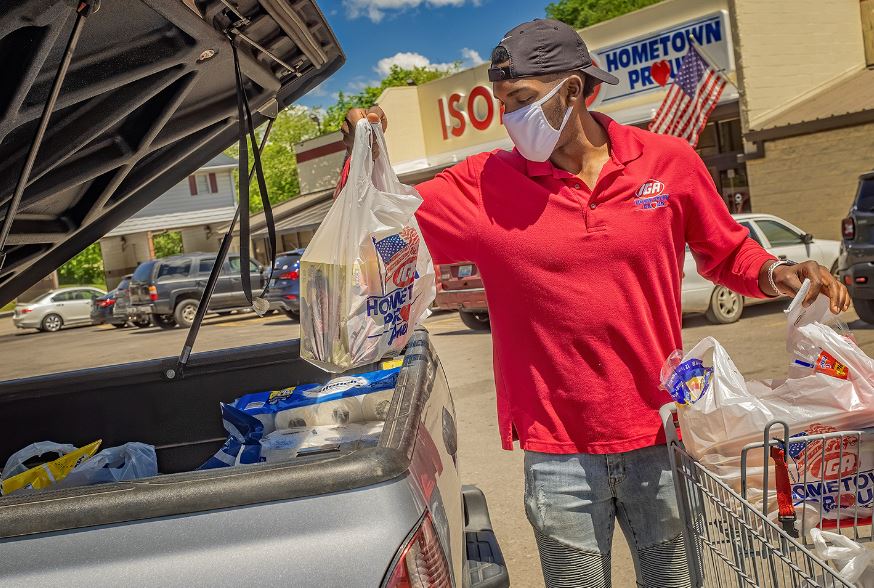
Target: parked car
<point>64,307</point>
<point>856,264</point>
<point>284,291</point>
<point>459,287</point>
<point>151,95</point>
<point>102,311</point>
<point>122,309</point>
<point>782,239</point>
<point>169,289</point>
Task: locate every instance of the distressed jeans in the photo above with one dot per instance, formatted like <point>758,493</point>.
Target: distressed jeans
<point>573,501</point>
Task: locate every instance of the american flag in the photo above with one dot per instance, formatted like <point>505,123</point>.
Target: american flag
<point>391,246</point>
<point>692,97</point>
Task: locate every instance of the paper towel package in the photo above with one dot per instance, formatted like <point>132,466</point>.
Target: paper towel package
<point>298,406</point>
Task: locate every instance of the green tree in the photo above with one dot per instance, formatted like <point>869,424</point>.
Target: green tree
<point>167,244</point>
<point>293,125</point>
<point>585,13</point>
<point>85,268</point>
<point>368,96</point>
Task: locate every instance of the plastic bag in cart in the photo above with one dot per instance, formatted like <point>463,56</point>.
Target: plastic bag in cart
<point>366,277</point>
<point>720,412</point>
<point>854,563</point>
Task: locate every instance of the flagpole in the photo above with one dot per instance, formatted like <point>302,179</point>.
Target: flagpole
<point>706,57</point>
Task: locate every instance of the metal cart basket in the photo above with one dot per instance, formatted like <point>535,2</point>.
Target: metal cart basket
<point>731,541</point>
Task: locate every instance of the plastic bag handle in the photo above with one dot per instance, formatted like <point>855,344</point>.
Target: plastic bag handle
<point>721,360</point>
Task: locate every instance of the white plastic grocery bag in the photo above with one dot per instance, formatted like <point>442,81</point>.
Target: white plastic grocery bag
<point>854,563</point>
<point>366,277</point>
<point>836,393</point>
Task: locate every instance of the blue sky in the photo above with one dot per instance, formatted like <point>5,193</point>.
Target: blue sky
<point>376,33</point>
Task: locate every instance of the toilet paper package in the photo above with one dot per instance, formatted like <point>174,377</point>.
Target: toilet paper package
<point>298,406</point>
<point>282,445</point>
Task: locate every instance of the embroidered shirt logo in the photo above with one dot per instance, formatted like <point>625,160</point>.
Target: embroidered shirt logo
<point>651,194</point>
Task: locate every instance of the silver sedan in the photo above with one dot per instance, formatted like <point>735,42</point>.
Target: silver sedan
<point>59,308</point>
<point>782,239</point>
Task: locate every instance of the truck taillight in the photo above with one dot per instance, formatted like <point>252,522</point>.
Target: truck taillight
<point>848,228</point>
<point>153,293</point>
<point>422,563</point>
<point>106,303</point>
<point>292,275</point>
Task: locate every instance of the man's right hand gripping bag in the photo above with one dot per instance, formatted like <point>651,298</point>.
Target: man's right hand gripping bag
<point>366,277</point>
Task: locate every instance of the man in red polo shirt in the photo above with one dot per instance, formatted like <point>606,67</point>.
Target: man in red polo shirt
<point>579,234</point>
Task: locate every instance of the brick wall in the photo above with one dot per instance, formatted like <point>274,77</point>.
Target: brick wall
<point>811,180</point>
<point>786,49</point>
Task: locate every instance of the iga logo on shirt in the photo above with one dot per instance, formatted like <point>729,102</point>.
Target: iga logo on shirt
<point>651,194</point>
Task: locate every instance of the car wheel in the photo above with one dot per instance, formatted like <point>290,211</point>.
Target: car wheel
<point>834,270</point>
<point>185,312</point>
<point>292,314</point>
<point>142,323</point>
<point>478,321</point>
<point>165,321</point>
<point>865,310</point>
<point>725,306</point>
<point>51,323</point>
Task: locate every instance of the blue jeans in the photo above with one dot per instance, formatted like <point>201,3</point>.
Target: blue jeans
<point>572,501</point>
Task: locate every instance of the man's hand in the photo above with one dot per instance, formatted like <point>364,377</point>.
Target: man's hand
<point>373,114</point>
<point>788,279</point>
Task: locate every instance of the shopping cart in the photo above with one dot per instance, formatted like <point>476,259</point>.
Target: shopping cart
<point>731,541</point>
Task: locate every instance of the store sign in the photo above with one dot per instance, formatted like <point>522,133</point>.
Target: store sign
<point>649,63</point>
<point>478,110</point>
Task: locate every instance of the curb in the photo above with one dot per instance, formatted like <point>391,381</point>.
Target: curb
<point>7,313</point>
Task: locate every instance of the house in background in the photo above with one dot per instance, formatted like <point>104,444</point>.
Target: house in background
<point>198,208</point>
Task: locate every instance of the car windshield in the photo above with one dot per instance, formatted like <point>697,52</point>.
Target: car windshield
<point>865,200</point>
<point>143,272</point>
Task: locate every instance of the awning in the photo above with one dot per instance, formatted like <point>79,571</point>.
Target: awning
<point>845,102</point>
<point>176,220</point>
<point>308,218</point>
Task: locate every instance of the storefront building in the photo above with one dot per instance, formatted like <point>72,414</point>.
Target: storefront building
<point>789,136</point>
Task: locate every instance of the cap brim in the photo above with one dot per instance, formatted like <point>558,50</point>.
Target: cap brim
<point>600,74</point>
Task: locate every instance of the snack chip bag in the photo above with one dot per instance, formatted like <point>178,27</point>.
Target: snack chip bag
<point>46,474</point>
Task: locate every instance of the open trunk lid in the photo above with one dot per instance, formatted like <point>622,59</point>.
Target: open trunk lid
<point>148,98</point>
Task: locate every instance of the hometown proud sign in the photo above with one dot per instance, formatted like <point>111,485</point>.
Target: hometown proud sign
<point>648,63</point>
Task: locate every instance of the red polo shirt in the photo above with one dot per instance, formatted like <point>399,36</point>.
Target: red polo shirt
<point>583,283</point>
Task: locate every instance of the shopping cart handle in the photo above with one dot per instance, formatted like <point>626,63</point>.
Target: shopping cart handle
<point>668,413</point>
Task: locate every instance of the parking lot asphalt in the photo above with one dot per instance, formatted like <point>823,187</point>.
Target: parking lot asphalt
<point>756,343</point>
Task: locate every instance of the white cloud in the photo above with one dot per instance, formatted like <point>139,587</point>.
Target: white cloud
<point>471,58</point>
<point>375,9</point>
<point>409,60</point>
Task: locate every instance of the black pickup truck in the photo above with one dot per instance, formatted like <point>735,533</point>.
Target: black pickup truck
<point>169,289</point>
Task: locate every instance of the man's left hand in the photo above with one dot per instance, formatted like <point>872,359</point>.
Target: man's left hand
<point>788,279</point>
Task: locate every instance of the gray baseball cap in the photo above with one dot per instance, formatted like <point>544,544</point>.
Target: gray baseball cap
<point>545,46</point>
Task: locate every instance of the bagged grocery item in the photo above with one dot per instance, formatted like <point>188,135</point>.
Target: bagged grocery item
<point>854,563</point>
<point>375,405</point>
<point>45,474</point>
<point>297,406</point>
<point>720,412</point>
<point>130,461</point>
<point>282,445</point>
<point>17,462</point>
<point>244,441</point>
<point>366,277</point>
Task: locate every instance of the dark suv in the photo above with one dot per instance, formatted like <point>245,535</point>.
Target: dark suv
<point>856,262</point>
<point>169,289</point>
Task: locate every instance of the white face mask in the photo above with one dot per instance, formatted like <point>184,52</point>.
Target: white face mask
<point>531,132</point>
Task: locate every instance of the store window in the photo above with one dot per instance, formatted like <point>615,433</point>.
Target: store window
<point>719,146</point>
